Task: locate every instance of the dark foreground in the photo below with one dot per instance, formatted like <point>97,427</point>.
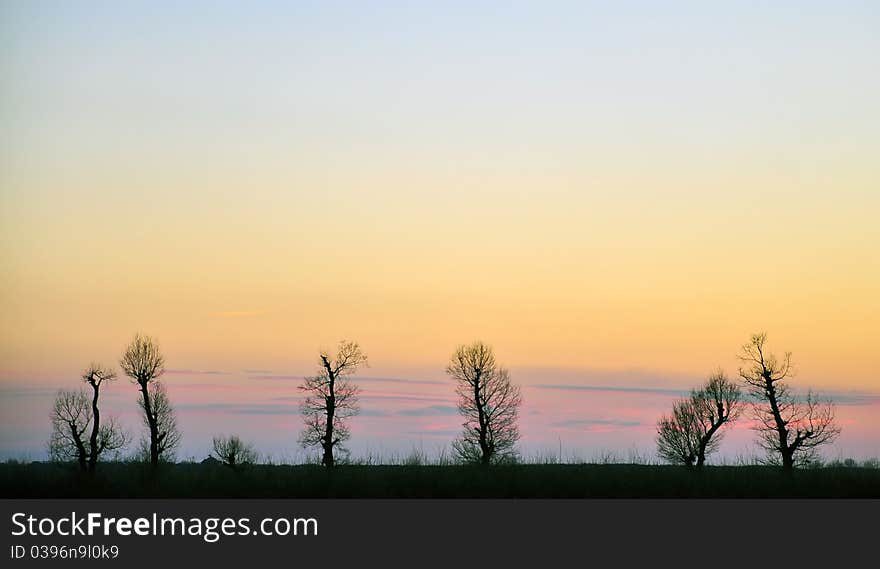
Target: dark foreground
<point>132,480</point>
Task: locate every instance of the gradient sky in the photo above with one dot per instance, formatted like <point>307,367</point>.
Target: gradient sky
<point>611,194</point>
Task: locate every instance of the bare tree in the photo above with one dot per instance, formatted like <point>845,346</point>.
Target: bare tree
<point>489,404</point>
<point>692,431</point>
<point>95,375</point>
<point>677,434</point>
<point>790,428</point>
<point>71,420</point>
<point>233,451</point>
<point>159,415</point>
<point>330,399</point>
<point>144,364</point>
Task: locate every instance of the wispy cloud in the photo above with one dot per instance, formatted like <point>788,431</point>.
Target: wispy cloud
<point>369,412</point>
<point>842,397</point>
<point>405,398</point>
<point>278,377</point>
<point>242,408</point>
<point>633,381</point>
<point>195,372</point>
<point>435,433</point>
<point>611,377</point>
<point>264,409</point>
<point>398,380</point>
<point>611,389</point>
<point>429,411</point>
<point>355,379</point>
<point>591,424</point>
<point>27,391</point>
<point>380,398</point>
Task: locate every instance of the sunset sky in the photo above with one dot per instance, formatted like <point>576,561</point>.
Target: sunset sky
<point>613,195</point>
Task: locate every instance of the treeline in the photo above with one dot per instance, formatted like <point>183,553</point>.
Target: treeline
<point>790,428</point>
<point>74,414</point>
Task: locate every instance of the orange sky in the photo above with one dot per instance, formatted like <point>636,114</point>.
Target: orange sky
<point>582,188</point>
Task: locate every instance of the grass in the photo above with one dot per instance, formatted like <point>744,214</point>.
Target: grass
<point>194,480</point>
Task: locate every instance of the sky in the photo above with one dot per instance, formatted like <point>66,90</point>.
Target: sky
<point>613,195</point>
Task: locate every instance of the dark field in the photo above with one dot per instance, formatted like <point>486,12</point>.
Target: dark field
<point>187,480</point>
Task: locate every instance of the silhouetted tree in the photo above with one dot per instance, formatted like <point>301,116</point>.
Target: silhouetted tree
<point>790,428</point>
<point>71,420</point>
<point>95,376</point>
<point>692,431</point>
<point>160,415</point>
<point>144,364</point>
<point>330,399</point>
<point>489,404</point>
<point>233,451</point>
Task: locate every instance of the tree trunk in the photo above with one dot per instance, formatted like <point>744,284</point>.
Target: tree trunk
<point>788,461</point>
<point>81,454</point>
<point>704,441</point>
<point>96,426</point>
<point>486,456</point>
<point>153,425</point>
<point>327,459</point>
<point>784,449</point>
